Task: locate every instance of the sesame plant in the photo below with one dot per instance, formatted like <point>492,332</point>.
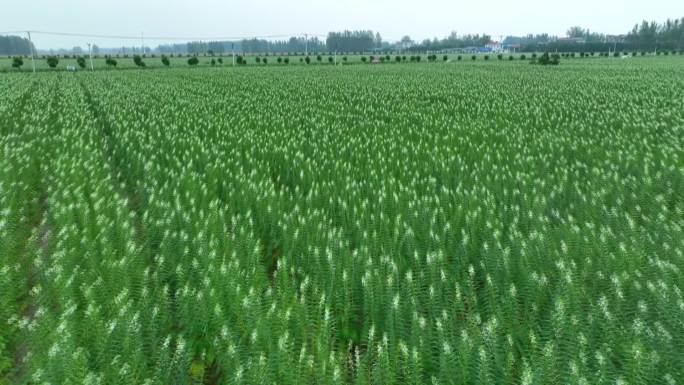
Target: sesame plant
<point>390,225</point>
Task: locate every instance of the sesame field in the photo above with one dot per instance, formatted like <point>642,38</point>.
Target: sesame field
<point>434,223</point>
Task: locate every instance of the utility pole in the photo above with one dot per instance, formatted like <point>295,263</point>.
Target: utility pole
<point>90,53</point>
<point>33,54</point>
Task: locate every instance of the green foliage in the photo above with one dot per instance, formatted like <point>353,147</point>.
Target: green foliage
<point>546,59</point>
<point>81,61</point>
<point>17,62</point>
<point>421,224</point>
<point>110,62</point>
<point>138,61</point>
<point>165,61</point>
<point>52,61</point>
<point>194,61</point>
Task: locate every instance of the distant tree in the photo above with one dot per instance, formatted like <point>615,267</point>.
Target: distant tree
<point>486,57</point>
<point>287,60</point>
<point>344,59</point>
<point>445,58</point>
<point>459,58</point>
<point>137,59</point>
<point>220,60</point>
<point>330,59</point>
<point>258,59</point>
<point>523,57</point>
<point>193,61</point>
<point>364,59</point>
<point>547,59</point>
<point>165,61</point>
<point>397,59</point>
<point>577,32</point>
<point>52,61</point>
<point>307,60</point>
<point>511,58</point>
<point>499,57</point>
<point>111,62</point>
<point>213,62</point>
<point>319,58</point>
<point>264,60</point>
<point>279,60</point>
<point>418,58</point>
<point>17,62</point>
<point>81,62</point>
<point>473,57</point>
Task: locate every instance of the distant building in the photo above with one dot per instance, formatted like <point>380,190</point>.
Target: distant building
<point>494,46</point>
<point>511,47</point>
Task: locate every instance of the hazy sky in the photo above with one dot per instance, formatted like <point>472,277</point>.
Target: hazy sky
<point>392,18</point>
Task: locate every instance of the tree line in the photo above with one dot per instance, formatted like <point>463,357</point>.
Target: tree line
<point>644,36</point>
<point>14,45</point>
<point>353,41</point>
<point>293,44</point>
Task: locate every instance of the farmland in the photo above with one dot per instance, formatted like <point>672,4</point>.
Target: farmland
<point>448,223</point>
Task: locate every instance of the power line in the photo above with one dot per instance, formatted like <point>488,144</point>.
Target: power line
<point>184,38</point>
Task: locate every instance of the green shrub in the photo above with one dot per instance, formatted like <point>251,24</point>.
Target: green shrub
<point>52,61</point>
<point>138,61</point>
<point>17,62</point>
